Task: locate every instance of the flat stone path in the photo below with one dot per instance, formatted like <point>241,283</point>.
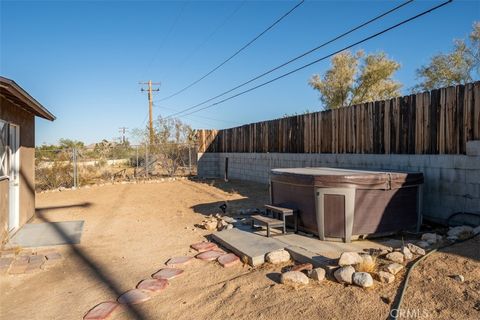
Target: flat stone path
<point>167,273</point>
<point>101,311</point>
<point>228,260</point>
<point>204,246</point>
<point>176,262</point>
<point>134,296</point>
<point>210,255</point>
<point>154,285</point>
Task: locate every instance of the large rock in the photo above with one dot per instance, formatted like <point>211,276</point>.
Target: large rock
<point>395,257</point>
<point>394,268</point>
<point>210,225</point>
<point>344,274</point>
<point>386,277</point>
<point>362,279</point>
<point>476,230</point>
<point>460,232</point>
<point>318,274</point>
<point>407,254</point>
<point>431,238</point>
<point>349,258</point>
<point>294,278</point>
<point>423,244</point>
<point>278,256</point>
<point>416,249</point>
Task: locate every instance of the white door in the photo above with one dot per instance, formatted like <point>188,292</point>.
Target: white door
<point>14,177</point>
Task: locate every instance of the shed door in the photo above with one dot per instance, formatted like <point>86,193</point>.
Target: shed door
<point>14,177</point>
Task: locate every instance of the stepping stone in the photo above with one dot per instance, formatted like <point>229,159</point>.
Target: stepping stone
<point>167,273</point>
<point>210,255</point>
<point>178,261</point>
<point>101,311</point>
<point>228,260</point>
<point>154,285</point>
<point>134,296</point>
<point>204,246</point>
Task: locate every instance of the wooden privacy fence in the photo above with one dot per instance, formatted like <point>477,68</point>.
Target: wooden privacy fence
<point>436,122</point>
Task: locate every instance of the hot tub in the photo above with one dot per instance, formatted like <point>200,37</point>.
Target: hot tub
<point>347,204</point>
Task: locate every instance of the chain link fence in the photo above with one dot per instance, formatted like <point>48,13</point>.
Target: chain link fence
<point>75,167</point>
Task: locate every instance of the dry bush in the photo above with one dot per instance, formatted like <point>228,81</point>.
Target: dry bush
<point>367,266</point>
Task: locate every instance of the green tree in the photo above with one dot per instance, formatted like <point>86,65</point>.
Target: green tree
<point>456,67</point>
<point>357,78</point>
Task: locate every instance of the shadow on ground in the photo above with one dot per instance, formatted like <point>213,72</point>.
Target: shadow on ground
<point>93,266</point>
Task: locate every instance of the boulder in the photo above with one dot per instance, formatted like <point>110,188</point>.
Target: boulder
<point>431,238</point>
<point>394,268</point>
<point>461,232</point>
<point>423,244</point>
<point>278,256</point>
<point>222,225</point>
<point>476,230</point>
<point>362,279</point>
<point>210,225</point>
<point>318,274</point>
<point>407,254</point>
<point>386,277</point>
<point>416,249</point>
<point>349,258</point>
<point>395,257</point>
<point>344,274</point>
<point>294,278</point>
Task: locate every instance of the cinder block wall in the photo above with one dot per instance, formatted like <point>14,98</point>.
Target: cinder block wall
<point>452,182</point>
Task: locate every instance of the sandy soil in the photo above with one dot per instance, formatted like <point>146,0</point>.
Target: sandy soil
<point>435,294</point>
<point>131,230</point>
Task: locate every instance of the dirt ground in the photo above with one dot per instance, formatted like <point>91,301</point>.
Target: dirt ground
<point>130,230</point>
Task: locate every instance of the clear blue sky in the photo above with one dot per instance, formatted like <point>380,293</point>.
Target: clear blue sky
<point>83,59</point>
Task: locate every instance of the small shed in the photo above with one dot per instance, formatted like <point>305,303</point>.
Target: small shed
<point>17,155</point>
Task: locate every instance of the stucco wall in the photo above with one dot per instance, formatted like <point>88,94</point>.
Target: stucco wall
<point>452,182</point>
<point>26,121</point>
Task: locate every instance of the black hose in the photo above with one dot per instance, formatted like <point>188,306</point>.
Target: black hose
<point>397,307</point>
<point>463,213</point>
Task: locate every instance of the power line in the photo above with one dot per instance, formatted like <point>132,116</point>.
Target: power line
<point>297,57</point>
<point>206,39</point>
<point>201,117</point>
<point>236,53</point>
<point>169,32</point>
<point>321,59</point>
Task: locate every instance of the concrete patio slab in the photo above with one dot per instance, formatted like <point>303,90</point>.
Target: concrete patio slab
<point>48,234</point>
<point>303,249</point>
<point>247,244</point>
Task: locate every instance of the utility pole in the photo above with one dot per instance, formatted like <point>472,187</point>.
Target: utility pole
<point>150,104</point>
<point>123,130</point>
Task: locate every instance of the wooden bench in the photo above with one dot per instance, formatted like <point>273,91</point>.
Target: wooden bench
<point>268,222</point>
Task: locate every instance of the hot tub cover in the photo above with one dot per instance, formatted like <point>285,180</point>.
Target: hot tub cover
<point>347,178</point>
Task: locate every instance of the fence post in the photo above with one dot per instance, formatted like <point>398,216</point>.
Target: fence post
<point>146,160</point>
<point>190,160</point>
<point>75,170</point>
<point>136,163</point>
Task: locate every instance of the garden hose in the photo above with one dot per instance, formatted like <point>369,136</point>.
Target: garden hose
<point>398,306</point>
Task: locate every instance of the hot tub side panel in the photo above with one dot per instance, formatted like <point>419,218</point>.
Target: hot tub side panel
<point>302,198</point>
<point>385,211</point>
